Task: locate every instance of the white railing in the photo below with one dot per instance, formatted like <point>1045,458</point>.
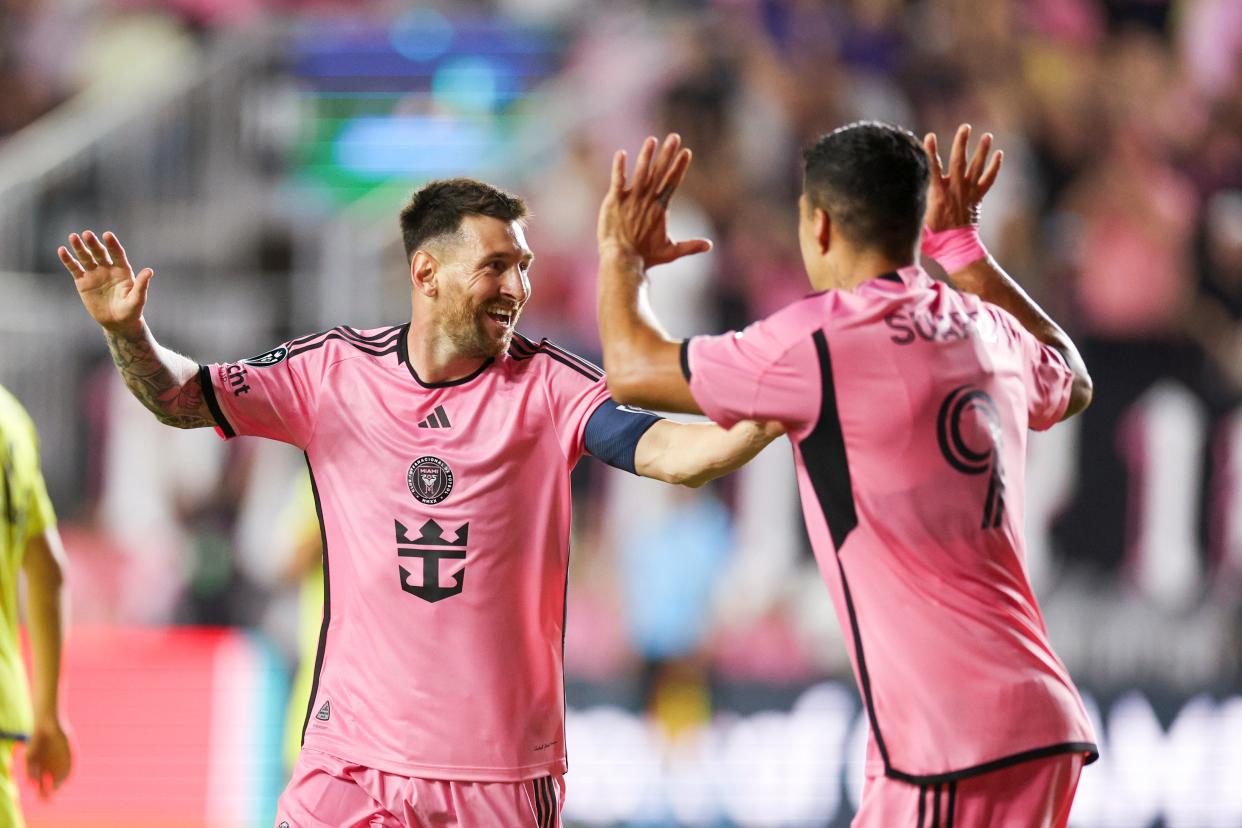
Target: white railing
<point>166,154</point>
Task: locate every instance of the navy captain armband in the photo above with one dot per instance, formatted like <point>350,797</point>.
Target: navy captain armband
<point>613,432</point>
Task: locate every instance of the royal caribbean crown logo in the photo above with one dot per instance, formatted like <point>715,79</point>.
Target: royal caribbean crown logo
<point>430,480</point>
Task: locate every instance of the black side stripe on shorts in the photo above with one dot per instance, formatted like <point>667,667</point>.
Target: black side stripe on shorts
<point>950,795</point>
<point>541,817</point>
<point>546,807</point>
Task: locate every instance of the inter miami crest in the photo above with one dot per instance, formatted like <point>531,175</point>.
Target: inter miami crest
<point>270,358</point>
<point>430,480</point>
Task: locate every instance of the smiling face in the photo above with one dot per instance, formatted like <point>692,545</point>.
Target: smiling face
<point>482,285</point>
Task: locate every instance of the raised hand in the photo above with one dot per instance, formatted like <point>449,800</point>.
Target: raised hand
<point>634,216</point>
<point>112,294</point>
<point>953,199</point>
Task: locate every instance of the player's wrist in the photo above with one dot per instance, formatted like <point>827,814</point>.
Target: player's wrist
<point>955,248</point>
<point>128,329</point>
<point>622,256</point>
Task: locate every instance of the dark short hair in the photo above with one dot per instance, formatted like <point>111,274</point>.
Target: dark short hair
<point>871,178</point>
<point>437,208</point>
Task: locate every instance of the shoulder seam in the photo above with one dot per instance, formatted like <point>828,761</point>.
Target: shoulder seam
<point>780,356</point>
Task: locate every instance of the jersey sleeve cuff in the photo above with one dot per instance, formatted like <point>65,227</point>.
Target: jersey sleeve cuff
<point>685,358</point>
<point>209,396</point>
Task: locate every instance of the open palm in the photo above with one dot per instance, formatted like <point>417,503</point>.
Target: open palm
<point>112,294</point>
<point>634,215</point>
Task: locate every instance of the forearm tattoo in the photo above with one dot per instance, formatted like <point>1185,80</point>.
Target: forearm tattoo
<point>173,402</point>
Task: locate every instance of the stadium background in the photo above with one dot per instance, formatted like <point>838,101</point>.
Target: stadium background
<point>255,153</point>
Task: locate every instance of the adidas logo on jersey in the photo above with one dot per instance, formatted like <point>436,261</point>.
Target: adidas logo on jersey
<point>324,713</point>
<point>436,419</point>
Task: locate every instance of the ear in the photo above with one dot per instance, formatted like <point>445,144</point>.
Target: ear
<point>423,271</point>
<point>823,230</point>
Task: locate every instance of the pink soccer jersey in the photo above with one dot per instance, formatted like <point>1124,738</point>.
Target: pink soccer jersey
<point>908,406</point>
<point>445,511</point>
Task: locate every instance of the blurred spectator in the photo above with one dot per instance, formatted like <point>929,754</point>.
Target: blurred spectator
<point>1119,207</point>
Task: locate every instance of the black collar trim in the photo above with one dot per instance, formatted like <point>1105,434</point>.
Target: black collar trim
<point>403,356</point>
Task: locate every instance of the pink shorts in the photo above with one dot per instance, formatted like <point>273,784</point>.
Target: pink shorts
<point>1034,794</point>
<point>327,792</point>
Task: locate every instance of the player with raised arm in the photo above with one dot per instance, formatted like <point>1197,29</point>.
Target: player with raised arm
<point>908,404</point>
<point>440,453</point>
<point>30,545</point>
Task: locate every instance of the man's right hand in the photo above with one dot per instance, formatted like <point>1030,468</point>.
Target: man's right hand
<point>953,198</point>
<point>111,292</point>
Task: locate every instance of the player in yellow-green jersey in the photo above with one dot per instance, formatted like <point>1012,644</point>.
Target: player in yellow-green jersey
<point>29,543</point>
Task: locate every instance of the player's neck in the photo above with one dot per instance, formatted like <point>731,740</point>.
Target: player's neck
<point>853,267</point>
<point>435,358</point>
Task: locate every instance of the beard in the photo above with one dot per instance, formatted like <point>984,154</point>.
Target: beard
<point>465,327</point>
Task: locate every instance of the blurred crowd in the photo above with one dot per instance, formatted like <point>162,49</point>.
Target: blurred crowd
<point>1119,208</point>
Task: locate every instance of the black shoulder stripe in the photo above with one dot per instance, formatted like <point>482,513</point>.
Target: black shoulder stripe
<point>378,349</point>
<point>585,363</point>
<point>375,337</point>
<point>593,377</point>
<point>302,340</point>
<point>345,330</point>
<point>521,346</point>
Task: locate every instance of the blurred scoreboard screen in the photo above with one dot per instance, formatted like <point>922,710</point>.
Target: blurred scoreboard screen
<point>423,96</point>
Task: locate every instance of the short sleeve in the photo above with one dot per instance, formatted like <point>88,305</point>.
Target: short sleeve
<point>761,373</point>
<point>575,388</point>
<point>1049,382</point>
<point>273,395</point>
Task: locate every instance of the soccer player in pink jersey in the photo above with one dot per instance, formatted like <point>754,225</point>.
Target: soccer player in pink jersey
<point>440,453</point>
<point>908,404</point>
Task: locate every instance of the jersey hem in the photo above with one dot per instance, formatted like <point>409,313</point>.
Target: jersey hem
<point>445,773</point>
<point>1088,748</point>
